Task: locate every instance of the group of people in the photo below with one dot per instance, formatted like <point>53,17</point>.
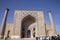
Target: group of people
<point>55,38</point>
<point>49,38</point>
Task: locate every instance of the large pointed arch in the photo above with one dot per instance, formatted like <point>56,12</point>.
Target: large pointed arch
<point>26,22</point>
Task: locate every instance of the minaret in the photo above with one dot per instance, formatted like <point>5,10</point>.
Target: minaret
<point>52,28</point>
<point>4,23</point>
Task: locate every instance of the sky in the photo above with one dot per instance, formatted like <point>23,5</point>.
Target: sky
<point>36,5</point>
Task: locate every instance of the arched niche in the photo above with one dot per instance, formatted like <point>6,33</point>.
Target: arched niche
<point>26,22</point>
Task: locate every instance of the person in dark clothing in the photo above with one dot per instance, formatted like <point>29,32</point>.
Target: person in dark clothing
<point>58,37</point>
<point>52,38</point>
<point>8,37</point>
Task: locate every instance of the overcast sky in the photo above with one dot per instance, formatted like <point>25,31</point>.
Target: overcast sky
<point>37,5</point>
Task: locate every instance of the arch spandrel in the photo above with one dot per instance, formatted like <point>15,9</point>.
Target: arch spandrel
<point>24,14</point>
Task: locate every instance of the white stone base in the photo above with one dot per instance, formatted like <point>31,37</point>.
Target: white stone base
<point>12,37</point>
<point>15,36</point>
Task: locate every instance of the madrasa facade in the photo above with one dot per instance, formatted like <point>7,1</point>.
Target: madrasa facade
<point>30,24</point>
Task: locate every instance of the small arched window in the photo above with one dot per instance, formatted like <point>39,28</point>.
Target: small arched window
<point>28,34</point>
<point>34,34</point>
<point>33,29</point>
